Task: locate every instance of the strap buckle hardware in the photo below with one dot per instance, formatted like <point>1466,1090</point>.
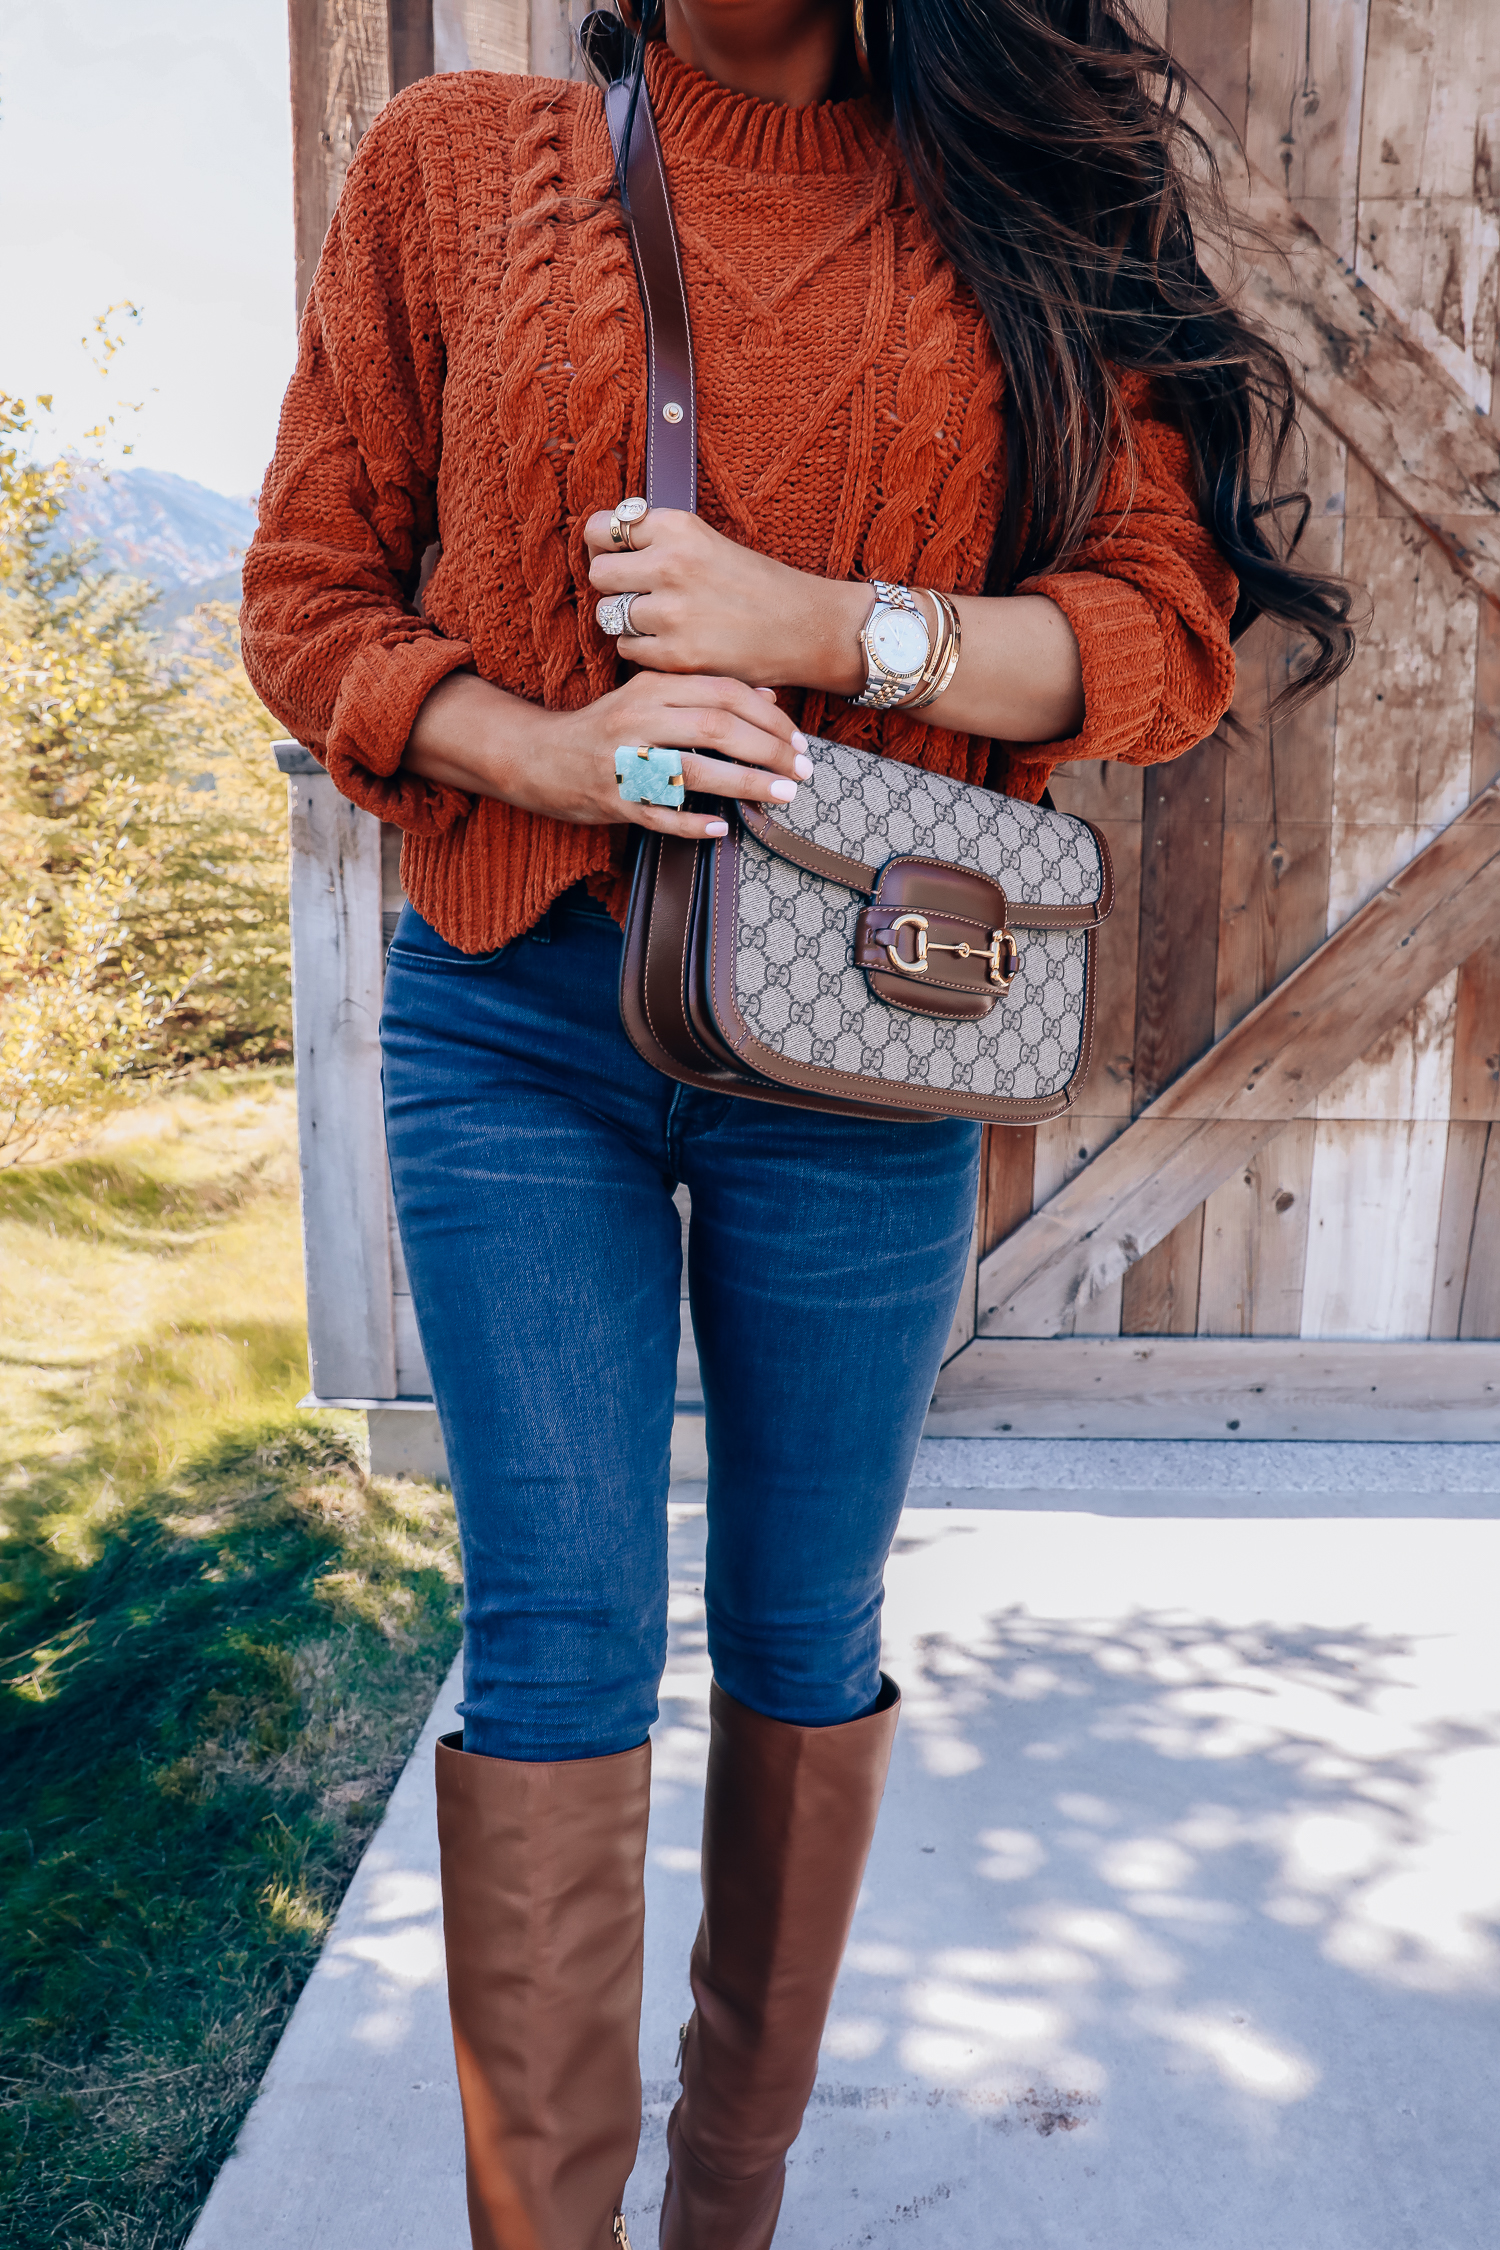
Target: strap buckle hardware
<point>1002,957</point>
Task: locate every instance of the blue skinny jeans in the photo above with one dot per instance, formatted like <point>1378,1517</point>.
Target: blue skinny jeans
<point>534,1157</point>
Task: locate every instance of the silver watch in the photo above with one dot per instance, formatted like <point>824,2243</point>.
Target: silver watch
<point>896,644</point>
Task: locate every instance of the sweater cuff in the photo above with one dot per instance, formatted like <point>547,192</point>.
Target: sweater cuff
<point>1124,665</point>
<point>378,701</point>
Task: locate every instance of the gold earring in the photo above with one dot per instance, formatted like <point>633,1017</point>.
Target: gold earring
<point>861,47</point>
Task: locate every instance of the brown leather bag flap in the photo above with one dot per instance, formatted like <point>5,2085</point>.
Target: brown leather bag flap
<point>835,867</point>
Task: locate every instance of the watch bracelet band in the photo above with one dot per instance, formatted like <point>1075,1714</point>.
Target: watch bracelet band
<point>936,675</point>
<point>883,694</point>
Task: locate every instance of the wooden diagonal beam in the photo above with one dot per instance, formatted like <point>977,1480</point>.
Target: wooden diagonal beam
<point>1366,374</point>
<point>1269,1069</point>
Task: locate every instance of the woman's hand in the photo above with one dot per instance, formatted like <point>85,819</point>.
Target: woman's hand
<point>707,605</point>
<point>562,763</point>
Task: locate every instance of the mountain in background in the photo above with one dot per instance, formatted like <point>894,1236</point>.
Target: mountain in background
<point>187,540</point>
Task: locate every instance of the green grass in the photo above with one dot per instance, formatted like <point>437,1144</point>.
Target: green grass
<point>218,1640</point>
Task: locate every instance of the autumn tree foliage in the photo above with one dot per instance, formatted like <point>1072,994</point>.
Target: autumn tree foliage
<point>143,908</point>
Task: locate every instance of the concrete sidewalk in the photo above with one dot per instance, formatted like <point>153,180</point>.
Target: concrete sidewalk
<point>1182,1927</point>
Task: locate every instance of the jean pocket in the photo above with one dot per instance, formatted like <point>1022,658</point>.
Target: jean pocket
<point>447,963</point>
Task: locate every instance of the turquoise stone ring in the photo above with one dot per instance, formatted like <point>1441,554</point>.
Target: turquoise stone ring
<point>649,776</point>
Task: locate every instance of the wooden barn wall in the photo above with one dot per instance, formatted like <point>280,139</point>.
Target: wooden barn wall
<point>1379,1215</point>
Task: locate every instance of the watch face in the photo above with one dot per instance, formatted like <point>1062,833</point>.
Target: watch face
<point>899,640</point>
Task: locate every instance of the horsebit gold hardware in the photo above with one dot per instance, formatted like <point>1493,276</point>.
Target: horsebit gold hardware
<point>998,976</point>
<point>622,2239</point>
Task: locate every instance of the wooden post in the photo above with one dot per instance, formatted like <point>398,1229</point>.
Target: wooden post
<point>341,73</point>
<point>410,40</point>
<point>337,971</point>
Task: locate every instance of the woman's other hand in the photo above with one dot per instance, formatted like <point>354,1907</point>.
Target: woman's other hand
<point>704,604</point>
<point>562,763</point>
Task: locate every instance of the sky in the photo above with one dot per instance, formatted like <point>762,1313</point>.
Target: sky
<point>145,155</point>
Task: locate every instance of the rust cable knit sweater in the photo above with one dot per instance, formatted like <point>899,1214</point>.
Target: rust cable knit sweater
<point>472,366</point>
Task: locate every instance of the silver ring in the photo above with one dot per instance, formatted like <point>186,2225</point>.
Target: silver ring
<point>613,613</point>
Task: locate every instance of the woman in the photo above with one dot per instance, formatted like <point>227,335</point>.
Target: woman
<point>950,331</point>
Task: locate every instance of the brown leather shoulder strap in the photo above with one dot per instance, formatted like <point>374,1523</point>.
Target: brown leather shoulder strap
<point>671,398</point>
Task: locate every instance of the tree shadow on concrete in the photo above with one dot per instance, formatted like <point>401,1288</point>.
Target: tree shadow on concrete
<point>1178,1930</point>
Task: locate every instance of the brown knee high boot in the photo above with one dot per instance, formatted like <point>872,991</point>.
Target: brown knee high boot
<point>787,1823</point>
<point>543,1914</point>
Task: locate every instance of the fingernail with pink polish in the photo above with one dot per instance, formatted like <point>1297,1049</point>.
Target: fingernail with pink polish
<point>785,790</point>
<point>717,828</point>
<point>799,739</point>
<point>802,767</point>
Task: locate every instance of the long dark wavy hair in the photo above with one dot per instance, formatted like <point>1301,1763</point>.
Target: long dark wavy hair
<point>1047,144</point>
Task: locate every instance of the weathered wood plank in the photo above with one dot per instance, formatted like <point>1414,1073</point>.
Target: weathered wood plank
<point>1159,1295</point>
<point>1111,796</point>
<point>337,966</point>
<point>412,1378</point>
<point>1065,1147</point>
<point>1484,755</point>
<point>554,42</point>
<point>481,35</point>
<point>1429,234</point>
<point>1307,67</point>
<point>1476,1046</point>
<point>1481,1309</point>
<point>1211,40</point>
<point>1182,843</point>
<point>1278,783</point>
<point>1269,1069</point>
<point>1182,834</point>
<point>1273,913</point>
<point>341,73</point>
<point>1376,1198</point>
<point>410,30</point>
<point>1406,1073</point>
<point>1404,732</point>
<point>962,1330</point>
<point>1255,1241</point>
<point>1005,1193</point>
<point>1196,1387</point>
<point>1463,1172</point>
<point>1357,365</point>
<point>1401,770</point>
<point>1476,1039</point>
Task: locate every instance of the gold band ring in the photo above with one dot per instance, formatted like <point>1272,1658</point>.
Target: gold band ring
<point>625,518</point>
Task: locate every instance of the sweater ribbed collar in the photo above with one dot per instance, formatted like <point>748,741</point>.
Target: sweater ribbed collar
<point>698,116</point>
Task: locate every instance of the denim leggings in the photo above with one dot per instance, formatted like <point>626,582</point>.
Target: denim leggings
<point>534,1157</point>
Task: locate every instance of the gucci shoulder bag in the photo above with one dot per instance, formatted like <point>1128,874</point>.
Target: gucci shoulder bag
<point>893,943</point>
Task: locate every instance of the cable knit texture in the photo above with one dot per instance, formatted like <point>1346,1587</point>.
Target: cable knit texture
<point>472,367</point>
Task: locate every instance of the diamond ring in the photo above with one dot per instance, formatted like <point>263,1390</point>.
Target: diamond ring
<point>613,613</point>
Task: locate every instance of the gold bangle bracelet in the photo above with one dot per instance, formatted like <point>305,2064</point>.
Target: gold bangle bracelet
<point>937,651</point>
<point>938,673</point>
<point>955,649</point>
